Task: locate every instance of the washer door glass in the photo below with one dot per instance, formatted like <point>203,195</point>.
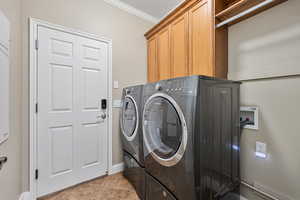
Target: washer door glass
<point>162,127</point>
<point>129,117</point>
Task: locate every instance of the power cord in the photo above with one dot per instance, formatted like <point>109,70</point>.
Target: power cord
<point>244,123</point>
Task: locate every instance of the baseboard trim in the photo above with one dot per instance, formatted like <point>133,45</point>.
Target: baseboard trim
<point>117,168</point>
<point>25,196</point>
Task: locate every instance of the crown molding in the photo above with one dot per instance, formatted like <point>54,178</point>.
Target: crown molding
<point>132,10</point>
<point>171,10</point>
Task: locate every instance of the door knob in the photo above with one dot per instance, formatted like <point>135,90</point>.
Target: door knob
<point>3,160</point>
<point>102,116</point>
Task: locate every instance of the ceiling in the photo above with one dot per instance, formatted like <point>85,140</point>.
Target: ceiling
<point>155,8</point>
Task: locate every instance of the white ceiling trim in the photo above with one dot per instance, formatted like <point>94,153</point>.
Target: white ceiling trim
<point>132,10</point>
<point>174,8</point>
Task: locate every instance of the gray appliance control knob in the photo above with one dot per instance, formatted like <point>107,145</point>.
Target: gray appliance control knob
<point>158,87</point>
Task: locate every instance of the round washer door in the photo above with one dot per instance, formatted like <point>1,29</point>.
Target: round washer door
<point>165,131</point>
<point>129,118</point>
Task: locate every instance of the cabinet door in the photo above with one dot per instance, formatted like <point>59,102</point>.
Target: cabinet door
<point>152,60</point>
<point>163,54</point>
<point>201,44</point>
<point>179,46</point>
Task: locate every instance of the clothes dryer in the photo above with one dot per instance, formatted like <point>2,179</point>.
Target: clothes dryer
<point>191,137</point>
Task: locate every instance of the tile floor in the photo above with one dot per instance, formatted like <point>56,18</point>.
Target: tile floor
<point>114,187</point>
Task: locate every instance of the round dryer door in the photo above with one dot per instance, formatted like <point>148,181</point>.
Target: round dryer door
<point>165,132</point>
<point>129,120</point>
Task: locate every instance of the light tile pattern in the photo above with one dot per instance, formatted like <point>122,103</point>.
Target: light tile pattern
<point>114,187</point>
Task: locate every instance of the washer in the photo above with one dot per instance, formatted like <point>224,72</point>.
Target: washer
<point>191,137</point>
<point>132,138</point>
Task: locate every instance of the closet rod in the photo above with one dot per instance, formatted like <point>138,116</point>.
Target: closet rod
<point>242,14</point>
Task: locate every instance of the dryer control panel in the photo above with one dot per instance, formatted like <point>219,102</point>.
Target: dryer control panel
<point>183,85</point>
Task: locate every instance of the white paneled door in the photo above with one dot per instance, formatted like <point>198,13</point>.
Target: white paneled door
<point>72,127</point>
<point>4,77</point>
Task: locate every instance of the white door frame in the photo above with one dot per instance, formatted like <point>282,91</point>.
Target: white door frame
<point>34,24</point>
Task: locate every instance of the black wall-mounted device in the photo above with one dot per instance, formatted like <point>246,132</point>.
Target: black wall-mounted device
<point>104,104</point>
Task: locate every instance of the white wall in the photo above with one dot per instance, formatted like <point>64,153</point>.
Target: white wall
<point>278,98</point>
<point>10,175</point>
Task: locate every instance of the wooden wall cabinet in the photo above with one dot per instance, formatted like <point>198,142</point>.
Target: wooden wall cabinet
<point>193,39</point>
<point>185,43</point>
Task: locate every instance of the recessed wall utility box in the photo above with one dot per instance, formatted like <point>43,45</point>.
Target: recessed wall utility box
<point>250,113</point>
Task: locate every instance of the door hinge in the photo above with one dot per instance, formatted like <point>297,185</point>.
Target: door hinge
<point>36,108</point>
<point>36,44</point>
<point>36,174</point>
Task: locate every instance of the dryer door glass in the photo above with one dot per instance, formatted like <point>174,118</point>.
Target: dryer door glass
<point>163,128</point>
<point>129,117</point>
